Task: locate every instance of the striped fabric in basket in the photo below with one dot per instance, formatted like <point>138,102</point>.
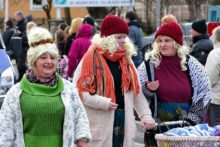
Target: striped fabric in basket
<point>186,141</point>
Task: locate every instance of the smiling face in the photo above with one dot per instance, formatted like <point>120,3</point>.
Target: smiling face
<point>166,46</point>
<point>45,66</point>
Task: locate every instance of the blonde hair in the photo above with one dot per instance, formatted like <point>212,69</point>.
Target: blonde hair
<point>110,44</point>
<point>37,34</point>
<point>182,52</point>
<point>30,25</point>
<point>168,18</point>
<point>216,35</point>
<point>75,25</point>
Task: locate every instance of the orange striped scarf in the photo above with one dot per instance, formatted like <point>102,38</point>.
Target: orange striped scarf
<point>96,77</point>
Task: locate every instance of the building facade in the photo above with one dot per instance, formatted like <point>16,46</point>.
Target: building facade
<point>35,8</point>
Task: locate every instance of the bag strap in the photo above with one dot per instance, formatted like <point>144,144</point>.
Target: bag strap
<point>147,64</point>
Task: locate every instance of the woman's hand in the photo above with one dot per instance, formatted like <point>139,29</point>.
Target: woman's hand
<point>148,123</point>
<point>112,106</point>
<point>81,143</point>
<point>153,85</point>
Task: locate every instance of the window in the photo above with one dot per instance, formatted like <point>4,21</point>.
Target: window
<point>37,4</point>
<point>213,16</point>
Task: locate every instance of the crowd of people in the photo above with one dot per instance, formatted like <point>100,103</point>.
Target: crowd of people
<point>82,84</point>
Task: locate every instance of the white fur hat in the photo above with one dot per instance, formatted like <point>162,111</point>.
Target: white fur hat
<point>40,41</point>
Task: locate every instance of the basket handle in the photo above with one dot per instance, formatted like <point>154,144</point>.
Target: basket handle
<point>187,123</point>
<point>164,124</point>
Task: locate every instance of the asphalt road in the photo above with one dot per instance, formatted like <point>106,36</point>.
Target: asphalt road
<point>139,139</point>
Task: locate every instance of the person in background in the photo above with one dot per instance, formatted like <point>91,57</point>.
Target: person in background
<point>74,27</point>
<point>43,109</point>
<point>136,35</point>
<point>202,45</point>
<point>21,22</point>
<point>60,41</point>
<point>8,33</point>
<point>212,67</point>
<point>29,18</point>
<point>62,26</point>
<point>79,47</point>
<point>7,36</point>
<point>189,92</point>
<point>60,37</point>
<point>67,32</point>
<point>19,44</point>
<point>109,88</point>
<point>63,67</point>
<point>90,20</point>
<point>29,26</point>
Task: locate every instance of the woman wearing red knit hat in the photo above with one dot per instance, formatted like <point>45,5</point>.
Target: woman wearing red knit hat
<point>175,83</point>
<point>109,87</point>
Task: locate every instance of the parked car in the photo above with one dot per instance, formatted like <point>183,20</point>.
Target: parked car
<point>7,77</point>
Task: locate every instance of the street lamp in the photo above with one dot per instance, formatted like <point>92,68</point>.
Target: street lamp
<point>6,10</point>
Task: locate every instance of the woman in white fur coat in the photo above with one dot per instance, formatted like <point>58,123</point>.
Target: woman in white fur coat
<point>109,87</point>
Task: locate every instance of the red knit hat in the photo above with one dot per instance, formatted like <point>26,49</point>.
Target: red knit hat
<point>172,30</point>
<point>113,25</point>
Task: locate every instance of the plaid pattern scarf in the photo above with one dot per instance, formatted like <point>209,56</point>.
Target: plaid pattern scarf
<point>48,82</point>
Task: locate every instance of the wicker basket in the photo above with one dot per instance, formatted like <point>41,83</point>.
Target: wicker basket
<point>186,141</point>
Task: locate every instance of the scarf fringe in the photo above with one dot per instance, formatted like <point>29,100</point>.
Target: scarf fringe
<point>99,80</point>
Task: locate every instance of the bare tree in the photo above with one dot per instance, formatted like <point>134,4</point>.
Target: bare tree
<point>165,4</point>
<point>150,10</point>
<point>215,2</point>
<point>100,12</point>
<point>148,25</point>
<point>47,8</point>
<point>195,8</point>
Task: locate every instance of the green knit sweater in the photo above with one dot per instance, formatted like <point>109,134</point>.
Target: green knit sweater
<point>42,113</point>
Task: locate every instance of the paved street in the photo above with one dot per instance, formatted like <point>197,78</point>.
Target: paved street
<point>138,145</point>
<point>139,139</point>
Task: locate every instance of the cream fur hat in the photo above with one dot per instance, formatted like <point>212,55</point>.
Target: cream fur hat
<point>40,41</point>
